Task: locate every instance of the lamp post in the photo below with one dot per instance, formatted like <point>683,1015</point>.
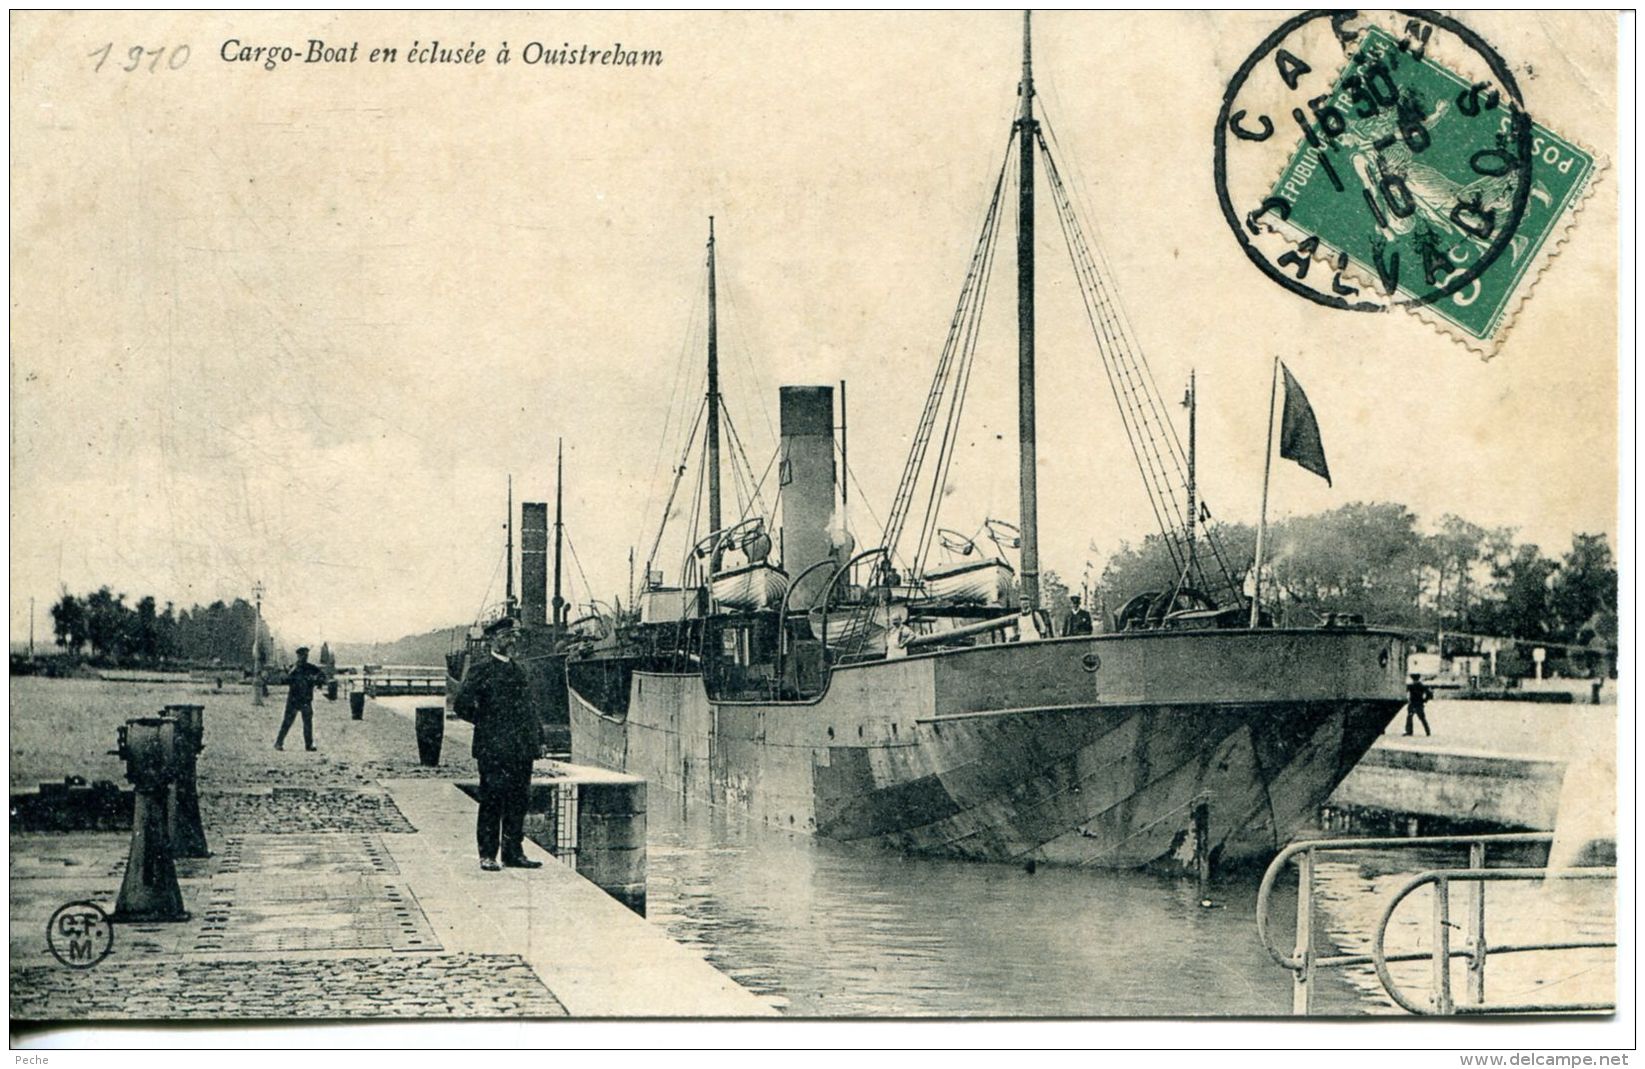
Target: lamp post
<point>257,645</point>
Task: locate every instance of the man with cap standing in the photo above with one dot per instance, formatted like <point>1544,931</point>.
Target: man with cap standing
<point>496,699</point>
<point>1416,708</point>
<point>1079,621</point>
<point>300,699</point>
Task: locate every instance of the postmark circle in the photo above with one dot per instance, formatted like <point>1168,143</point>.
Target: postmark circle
<point>1420,142</point>
<point>80,934</point>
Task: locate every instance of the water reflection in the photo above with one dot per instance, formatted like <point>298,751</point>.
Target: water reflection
<point>1354,891</point>
<point>830,929</point>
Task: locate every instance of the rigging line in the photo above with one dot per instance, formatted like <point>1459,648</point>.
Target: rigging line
<point>697,500</point>
<point>1143,404</point>
<point>916,455</point>
<point>739,484</point>
<point>588,588</point>
<point>675,420</point>
<point>747,468</point>
<point>681,364</point>
<point>862,495</point>
<point>962,380</point>
<point>1215,542</point>
<point>679,474</point>
<point>960,376</point>
<point>1140,403</point>
<point>739,480</point>
<point>945,452</point>
<point>486,597</point>
<point>729,287</point>
<point>757,487</point>
<point>1173,442</point>
<point>1098,333</point>
<point>884,564</point>
<point>1135,364</point>
<point>1102,252</point>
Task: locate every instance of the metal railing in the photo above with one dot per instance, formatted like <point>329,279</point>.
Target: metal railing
<point>1304,963</point>
<point>383,682</point>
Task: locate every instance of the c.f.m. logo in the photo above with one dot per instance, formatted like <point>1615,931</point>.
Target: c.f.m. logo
<point>80,935</point>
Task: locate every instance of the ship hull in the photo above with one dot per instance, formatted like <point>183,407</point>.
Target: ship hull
<point>1026,751</point>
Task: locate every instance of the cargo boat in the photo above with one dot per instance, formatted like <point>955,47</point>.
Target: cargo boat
<point>930,709</point>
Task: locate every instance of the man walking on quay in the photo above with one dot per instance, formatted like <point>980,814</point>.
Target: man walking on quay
<point>496,699</point>
<point>1418,703</point>
<point>300,699</point>
<point>1079,621</point>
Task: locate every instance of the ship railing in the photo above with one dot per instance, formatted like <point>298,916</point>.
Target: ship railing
<point>1304,962</point>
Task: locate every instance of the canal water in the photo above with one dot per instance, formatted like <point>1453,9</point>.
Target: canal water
<point>829,929</point>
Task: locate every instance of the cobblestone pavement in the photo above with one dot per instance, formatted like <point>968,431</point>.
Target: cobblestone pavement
<point>300,912</point>
<point>299,809</point>
<point>401,985</point>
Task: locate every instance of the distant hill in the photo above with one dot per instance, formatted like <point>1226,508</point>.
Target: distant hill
<point>429,648</point>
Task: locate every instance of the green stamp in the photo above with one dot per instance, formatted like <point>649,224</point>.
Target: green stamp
<point>1412,175</point>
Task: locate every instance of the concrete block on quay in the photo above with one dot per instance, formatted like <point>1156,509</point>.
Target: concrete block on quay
<point>609,868</point>
<point>611,831</point>
<point>622,798</point>
<point>1512,792</point>
<point>593,952</point>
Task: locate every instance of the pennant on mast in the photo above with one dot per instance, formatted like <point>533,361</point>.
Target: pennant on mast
<point>1299,438</point>
<point>1299,441</point>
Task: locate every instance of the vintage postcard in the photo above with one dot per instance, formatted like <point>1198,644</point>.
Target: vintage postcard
<point>737,515</point>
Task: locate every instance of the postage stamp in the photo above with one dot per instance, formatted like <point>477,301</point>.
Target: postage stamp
<point>1416,178</point>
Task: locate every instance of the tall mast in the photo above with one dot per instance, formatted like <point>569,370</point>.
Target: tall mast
<point>713,392</point>
<point>1262,521</point>
<point>559,529</point>
<point>1027,131</point>
<point>508,590</point>
<point>844,456</point>
<point>1193,515</point>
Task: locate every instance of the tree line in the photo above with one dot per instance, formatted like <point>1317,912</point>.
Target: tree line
<point>103,627</point>
<point>1374,559</point>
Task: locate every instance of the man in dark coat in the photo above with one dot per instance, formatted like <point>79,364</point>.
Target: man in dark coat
<point>1079,621</point>
<point>300,699</point>
<point>496,699</point>
<point>1418,696</point>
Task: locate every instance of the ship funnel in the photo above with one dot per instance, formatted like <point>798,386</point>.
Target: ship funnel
<point>808,489</point>
<point>534,563</point>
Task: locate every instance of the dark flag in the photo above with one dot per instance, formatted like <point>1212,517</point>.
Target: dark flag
<point>1299,431</point>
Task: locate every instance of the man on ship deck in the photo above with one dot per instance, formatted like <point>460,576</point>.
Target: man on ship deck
<point>1079,621</point>
<point>496,699</point>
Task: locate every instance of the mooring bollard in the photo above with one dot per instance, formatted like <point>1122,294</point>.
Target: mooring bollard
<point>187,831</point>
<point>431,731</point>
<point>331,690</point>
<point>357,704</point>
<point>149,892</point>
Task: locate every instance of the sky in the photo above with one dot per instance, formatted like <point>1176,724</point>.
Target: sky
<point>299,325</point>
